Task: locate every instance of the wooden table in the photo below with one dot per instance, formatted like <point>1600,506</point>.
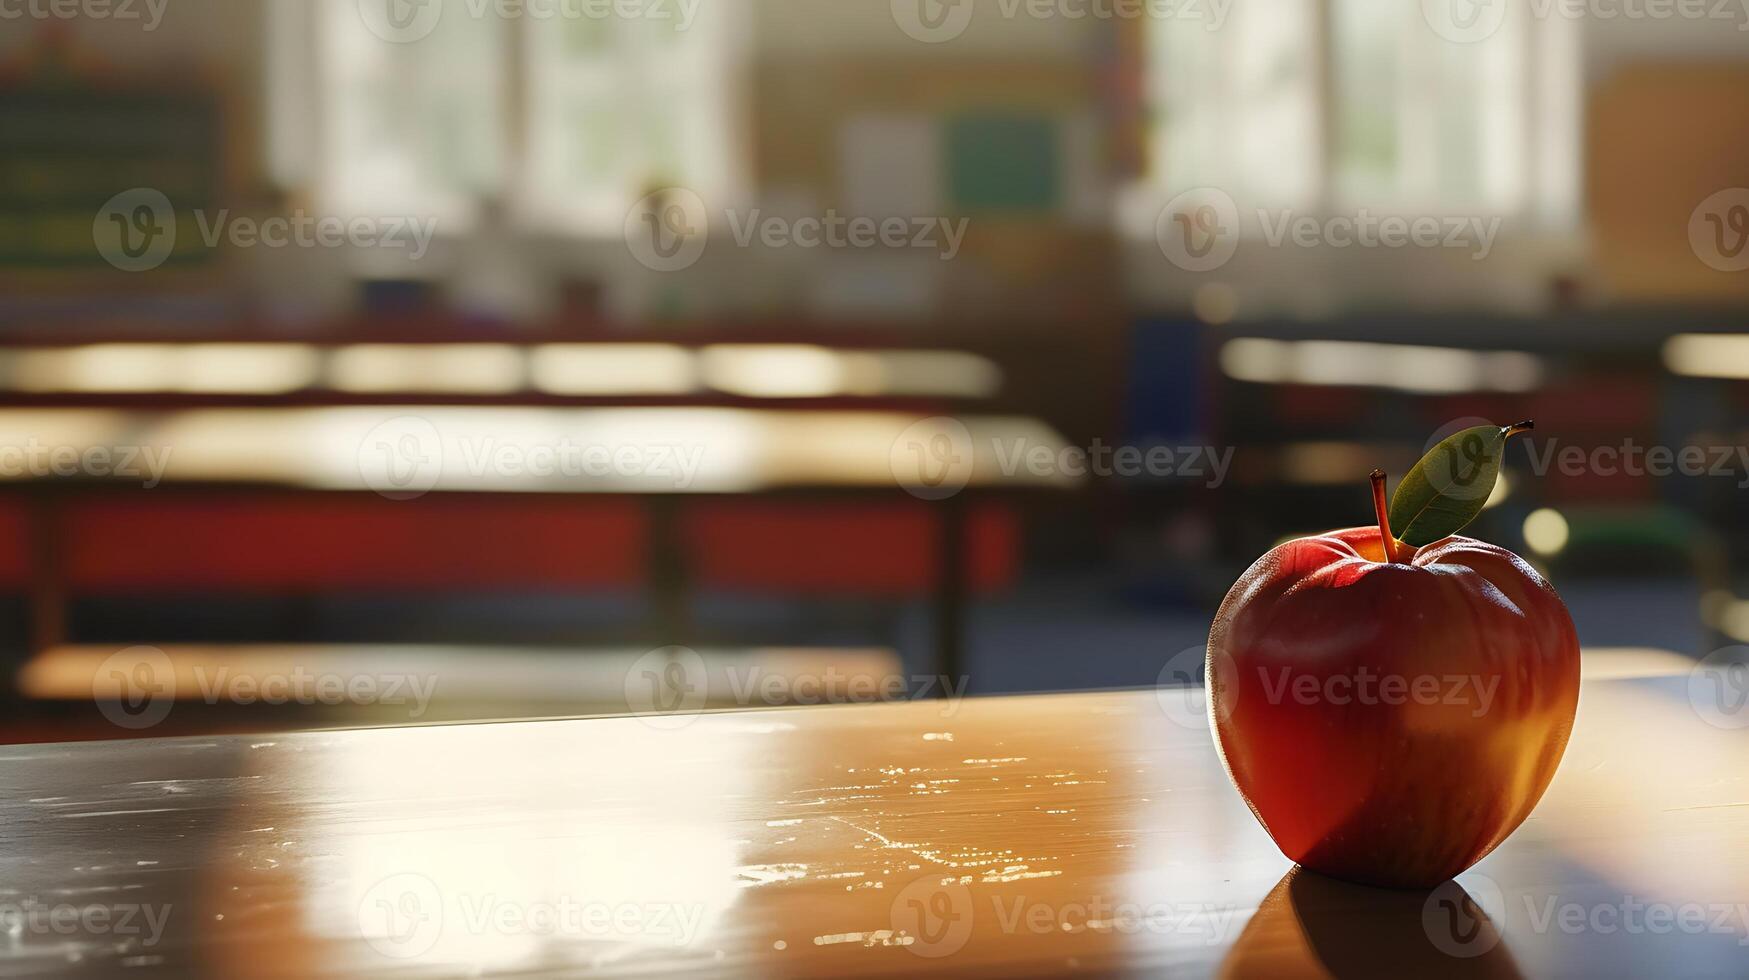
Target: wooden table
<point>1069,834</point>
<point>410,450</point>
<point>407,451</point>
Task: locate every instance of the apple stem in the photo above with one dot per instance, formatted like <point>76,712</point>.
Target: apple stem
<point>1520,427</point>
<point>1392,555</point>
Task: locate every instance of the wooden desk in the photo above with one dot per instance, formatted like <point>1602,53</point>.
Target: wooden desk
<point>1089,834</point>
<point>410,450</point>
<point>661,454</point>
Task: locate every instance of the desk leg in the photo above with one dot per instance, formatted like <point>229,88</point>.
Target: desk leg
<point>48,580</point>
<point>950,592</point>
<point>671,613</point>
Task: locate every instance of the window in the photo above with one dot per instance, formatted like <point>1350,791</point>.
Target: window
<point>618,108</point>
<point>565,118</point>
<point>409,128</point>
<point>1335,105</point>
<point>1236,108</point>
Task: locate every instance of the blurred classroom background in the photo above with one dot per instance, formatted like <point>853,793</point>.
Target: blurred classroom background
<point>1157,233</point>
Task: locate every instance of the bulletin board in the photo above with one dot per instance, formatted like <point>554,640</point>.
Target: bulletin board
<point>1018,148</point>
<point>1668,182</point>
<point>65,151</point>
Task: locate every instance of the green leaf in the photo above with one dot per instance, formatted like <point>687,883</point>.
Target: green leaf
<point>1446,490</point>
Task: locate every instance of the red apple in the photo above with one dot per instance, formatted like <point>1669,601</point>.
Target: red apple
<point>1389,713</point>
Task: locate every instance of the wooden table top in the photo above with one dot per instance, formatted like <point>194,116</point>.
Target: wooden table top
<point>1091,834</point>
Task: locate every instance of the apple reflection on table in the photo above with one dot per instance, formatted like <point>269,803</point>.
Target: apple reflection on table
<point>1310,925</point>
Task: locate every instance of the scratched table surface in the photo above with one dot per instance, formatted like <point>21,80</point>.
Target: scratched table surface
<point>1086,834</point>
